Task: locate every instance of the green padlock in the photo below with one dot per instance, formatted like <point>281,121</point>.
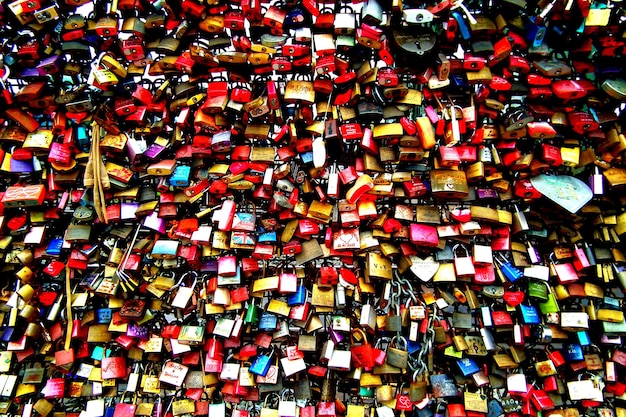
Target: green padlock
<point>252,314</point>
<point>550,305</point>
<point>537,290</point>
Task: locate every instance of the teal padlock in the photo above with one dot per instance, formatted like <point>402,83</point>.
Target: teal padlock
<point>367,392</point>
<point>180,176</point>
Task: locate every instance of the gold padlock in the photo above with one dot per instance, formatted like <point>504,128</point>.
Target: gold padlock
<point>212,24</point>
<point>377,267</point>
<point>449,183</point>
<point>25,274</point>
<point>105,77</point>
<point>26,292</point>
<point>29,312</point>
<point>384,393</point>
<point>418,388</point>
<point>25,256</point>
<point>475,172</point>
<point>184,406</point>
<point>299,91</point>
<point>33,330</point>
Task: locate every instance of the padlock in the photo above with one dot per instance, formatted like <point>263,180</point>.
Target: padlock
<point>397,355</point>
<point>564,271</point>
<point>463,263</point>
<point>481,251</point>
<point>507,269</point>
<point>393,322</point>
<point>261,364</point>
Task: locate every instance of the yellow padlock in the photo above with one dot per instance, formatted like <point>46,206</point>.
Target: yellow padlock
<point>570,156</point>
<point>25,274</point>
<point>104,77</point>
<point>26,292</point>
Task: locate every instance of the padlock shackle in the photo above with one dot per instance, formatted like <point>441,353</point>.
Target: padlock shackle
<point>358,330</point>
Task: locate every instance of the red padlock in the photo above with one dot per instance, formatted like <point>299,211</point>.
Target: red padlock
<point>524,189</point>
<point>551,154</point>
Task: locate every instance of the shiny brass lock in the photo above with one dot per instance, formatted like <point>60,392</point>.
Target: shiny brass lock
<point>183,406</point>
<point>418,387</point>
<point>476,171</point>
<point>25,274</point>
<point>448,183</point>
<point>384,393</point>
<point>299,91</point>
<point>26,292</point>
<point>393,323</point>
<point>378,267</point>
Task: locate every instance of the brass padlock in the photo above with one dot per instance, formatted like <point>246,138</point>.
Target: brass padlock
<point>397,353</point>
<point>418,387</point>
<point>299,91</point>
<point>183,406</point>
<point>384,393</point>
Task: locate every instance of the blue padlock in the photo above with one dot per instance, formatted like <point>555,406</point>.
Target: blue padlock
<point>307,157</point>
<point>103,315</point>
<point>463,28</point>
<point>99,352</point>
<point>54,247</point>
<point>529,314</point>
<point>268,322</point>
<point>180,176</point>
<point>261,365</point>
<point>413,347</point>
<point>535,33</point>
<point>440,411</point>
<point>296,18</point>
<point>508,270</point>
<point>298,297</point>
<point>467,366</point>
<point>109,411</point>
<point>611,302</point>
<point>7,334</point>
<point>573,352</point>
<point>583,337</point>
<point>267,237</point>
<point>424,412</point>
<point>495,408</point>
<point>83,138</point>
